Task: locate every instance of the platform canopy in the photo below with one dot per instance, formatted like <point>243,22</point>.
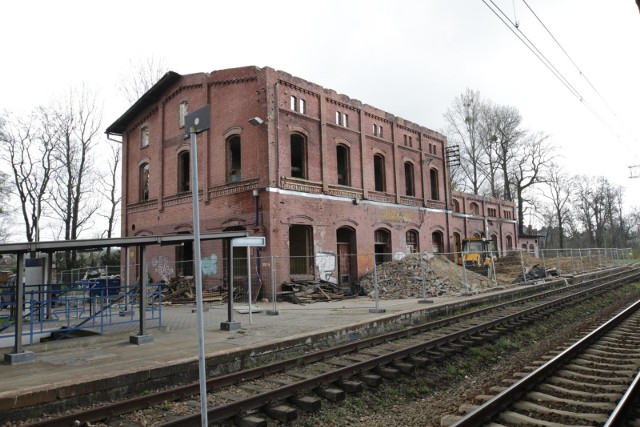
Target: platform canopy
<point>69,245</point>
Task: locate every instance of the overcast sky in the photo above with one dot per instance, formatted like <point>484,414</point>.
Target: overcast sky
<point>410,58</point>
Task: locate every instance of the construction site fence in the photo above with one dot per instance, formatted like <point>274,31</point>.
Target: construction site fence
<point>267,280</point>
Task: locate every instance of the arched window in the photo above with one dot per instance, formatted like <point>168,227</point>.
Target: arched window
<point>474,208</point>
<point>234,159</point>
<point>298,156</point>
<point>437,242</point>
<point>509,243</point>
<point>342,159</point>
<point>382,245</point>
<point>300,249</point>
<point>143,176</point>
<point>456,205</point>
<point>413,244</point>
<point>409,183</point>
<point>379,172</point>
<point>435,193</point>
<point>184,171</point>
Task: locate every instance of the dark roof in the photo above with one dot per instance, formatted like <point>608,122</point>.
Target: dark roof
<point>152,95</point>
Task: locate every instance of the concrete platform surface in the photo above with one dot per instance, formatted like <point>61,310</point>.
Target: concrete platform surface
<point>75,361</point>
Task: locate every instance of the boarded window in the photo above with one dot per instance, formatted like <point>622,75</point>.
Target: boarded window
<point>435,193</point>
<point>409,182</point>
<point>300,249</point>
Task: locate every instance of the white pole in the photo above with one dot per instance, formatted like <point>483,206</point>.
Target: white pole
<point>198,278</point>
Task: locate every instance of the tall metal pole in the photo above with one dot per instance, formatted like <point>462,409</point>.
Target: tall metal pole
<point>198,277</point>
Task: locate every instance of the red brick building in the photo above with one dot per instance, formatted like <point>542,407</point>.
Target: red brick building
<point>316,173</point>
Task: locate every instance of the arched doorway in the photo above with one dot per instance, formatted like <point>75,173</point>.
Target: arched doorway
<point>347,253</point>
<point>437,242</point>
<point>382,245</point>
<point>300,250</point>
<point>457,247</point>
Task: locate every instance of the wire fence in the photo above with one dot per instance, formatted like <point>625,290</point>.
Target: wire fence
<point>104,297</point>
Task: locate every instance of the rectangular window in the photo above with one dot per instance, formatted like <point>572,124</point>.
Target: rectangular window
<point>345,120</point>
<point>380,133</point>
<point>302,106</point>
<point>338,118</point>
<point>144,136</point>
<point>293,103</point>
<point>184,109</point>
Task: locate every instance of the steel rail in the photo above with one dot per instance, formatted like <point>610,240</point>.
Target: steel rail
<point>213,384</point>
<point>257,401</point>
<point>490,409</point>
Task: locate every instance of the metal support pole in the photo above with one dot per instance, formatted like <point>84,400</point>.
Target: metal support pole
<point>198,278</point>
<point>19,300</point>
<point>273,311</point>
<point>377,308</point>
<point>249,282</point>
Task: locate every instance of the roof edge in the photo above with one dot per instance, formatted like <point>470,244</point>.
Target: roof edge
<point>119,126</point>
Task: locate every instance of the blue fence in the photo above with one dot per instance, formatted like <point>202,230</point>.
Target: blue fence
<point>56,310</point>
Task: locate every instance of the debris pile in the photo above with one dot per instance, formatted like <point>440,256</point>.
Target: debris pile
<point>303,292</point>
<point>183,290</point>
<point>403,278</point>
<point>537,272</point>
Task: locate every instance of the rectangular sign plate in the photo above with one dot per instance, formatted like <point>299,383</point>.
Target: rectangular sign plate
<point>248,241</point>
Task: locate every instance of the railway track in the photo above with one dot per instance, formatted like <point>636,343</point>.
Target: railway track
<point>592,382</point>
<point>277,390</point>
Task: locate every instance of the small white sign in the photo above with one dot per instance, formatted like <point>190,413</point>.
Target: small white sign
<point>248,241</point>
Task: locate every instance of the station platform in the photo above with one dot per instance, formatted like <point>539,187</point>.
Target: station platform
<point>103,362</point>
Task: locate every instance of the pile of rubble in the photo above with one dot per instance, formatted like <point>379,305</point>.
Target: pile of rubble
<point>303,292</point>
<point>183,290</point>
<point>404,278</point>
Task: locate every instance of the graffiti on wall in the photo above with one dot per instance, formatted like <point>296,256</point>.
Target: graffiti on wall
<point>326,266</point>
<point>210,265</point>
<point>161,266</point>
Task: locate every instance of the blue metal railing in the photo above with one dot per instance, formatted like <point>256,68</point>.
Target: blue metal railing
<point>95,305</point>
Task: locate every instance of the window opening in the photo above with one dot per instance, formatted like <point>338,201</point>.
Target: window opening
<point>144,182</point>
<point>409,179</point>
<point>144,136</point>
<point>298,156</point>
<point>342,157</point>
<point>184,171</point>
<point>379,172</point>
<point>234,159</point>
<point>435,194</point>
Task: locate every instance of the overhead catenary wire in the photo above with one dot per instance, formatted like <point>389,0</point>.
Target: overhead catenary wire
<point>546,62</point>
<point>597,92</point>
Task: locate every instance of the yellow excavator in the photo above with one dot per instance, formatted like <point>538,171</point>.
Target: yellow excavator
<point>478,254</point>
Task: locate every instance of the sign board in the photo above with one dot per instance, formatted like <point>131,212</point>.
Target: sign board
<point>198,121</point>
<point>248,241</point>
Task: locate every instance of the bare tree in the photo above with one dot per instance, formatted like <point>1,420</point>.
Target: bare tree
<point>534,154</point>
<point>558,191</point>
<point>463,120</point>
<point>144,74</point>
<point>27,146</point>
<point>77,122</point>
<point>109,189</point>
<point>502,139</point>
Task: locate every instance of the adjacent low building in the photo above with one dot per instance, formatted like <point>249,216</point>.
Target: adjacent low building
<point>333,184</point>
